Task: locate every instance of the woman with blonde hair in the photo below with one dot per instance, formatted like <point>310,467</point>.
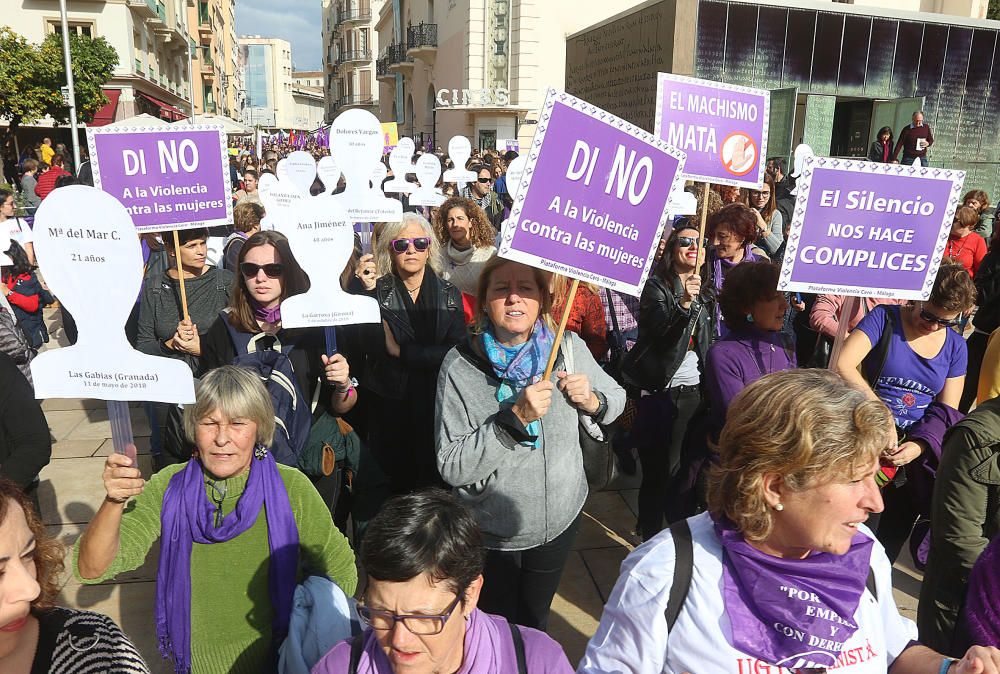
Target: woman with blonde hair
<point>422,320</point>
<point>467,239</point>
<point>781,572</point>
<point>509,441</point>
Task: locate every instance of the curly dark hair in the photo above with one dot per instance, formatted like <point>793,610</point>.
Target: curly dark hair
<point>49,558</point>
<point>747,284</point>
<point>738,218</point>
<point>481,232</point>
<point>953,287</point>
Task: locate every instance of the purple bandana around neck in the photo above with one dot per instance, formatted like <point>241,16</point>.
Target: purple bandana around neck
<point>187,517</point>
<point>793,613</point>
<point>718,264</point>
<point>262,313</point>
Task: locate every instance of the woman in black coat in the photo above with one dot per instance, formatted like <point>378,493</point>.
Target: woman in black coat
<point>881,149</point>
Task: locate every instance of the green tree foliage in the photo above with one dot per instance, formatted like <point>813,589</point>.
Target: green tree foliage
<point>993,12</point>
<point>31,76</point>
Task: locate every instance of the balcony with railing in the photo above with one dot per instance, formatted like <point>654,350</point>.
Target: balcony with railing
<point>422,40</point>
<point>352,14</point>
<point>354,55</point>
<point>399,60</point>
<point>356,100</point>
<point>204,19</point>
<point>382,67</point>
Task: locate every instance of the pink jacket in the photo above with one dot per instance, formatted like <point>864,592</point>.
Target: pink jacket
<point>823,316</point>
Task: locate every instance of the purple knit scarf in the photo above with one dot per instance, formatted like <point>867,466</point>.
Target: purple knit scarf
<point>262,313</point>
<point>187,517</point>
<point>794,613</point>
<point>718,264</point>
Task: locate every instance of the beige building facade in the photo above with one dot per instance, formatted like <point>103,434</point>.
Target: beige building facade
<point>277,97</point>
<point>150,37</point>
<point>479,68</point>
<point>217,76</point>
<point>350,45</point>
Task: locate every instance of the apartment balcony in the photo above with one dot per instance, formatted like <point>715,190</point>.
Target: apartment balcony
<point>382,71</point>
<point>354,15</point>
<point>422,41</point>
<point>356,101</point>
<point>145,9</point>
<point>355,56</point>
<point>399,60</point>
<point>158,22</point>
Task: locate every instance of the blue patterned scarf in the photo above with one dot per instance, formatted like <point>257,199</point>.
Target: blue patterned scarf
<point>519,366</point>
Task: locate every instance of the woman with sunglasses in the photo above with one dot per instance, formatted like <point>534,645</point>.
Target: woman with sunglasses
<point>267,274</point>
<point>770,223</point>
<point>914,361</point>
<point>422,318</point>
<point>675,333</point>
<point>423,555</point>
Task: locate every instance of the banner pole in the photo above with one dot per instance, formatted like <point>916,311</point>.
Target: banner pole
<point>846,311</point>
<point>562,328</point>
<point>180,275</point>
<point>704,221</point>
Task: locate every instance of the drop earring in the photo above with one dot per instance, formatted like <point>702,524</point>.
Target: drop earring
<point>749,318</point>
<point>779,507</point>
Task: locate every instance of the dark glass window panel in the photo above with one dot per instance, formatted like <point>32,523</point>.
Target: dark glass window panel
<point>878,71</point>
<point>770,47</point>
<point>907,56</point>
<point>990,141</point>
<point>956,67</point>
<point>977,87</point>
<point>826,55</point>
<point>932,59</point>
<point>797,68</point>
<point>854,56</point>
<point>711,47</point>
<point>741,44</point>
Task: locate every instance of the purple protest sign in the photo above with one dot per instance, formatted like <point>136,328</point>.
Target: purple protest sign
<point>592,199</point>
<point>721,127</point>
<point>868,229</point>
<point>167,177</point>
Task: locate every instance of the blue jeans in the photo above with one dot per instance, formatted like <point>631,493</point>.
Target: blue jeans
<point>907,160</point>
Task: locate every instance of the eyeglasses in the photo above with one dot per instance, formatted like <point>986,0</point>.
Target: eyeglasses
<point>271,270</point>
<point>687,241</point>
<point>420,244</point>
<point>485,180</point>
<point>931,318</point>
<point>424,625</point>
<point>762,194</point>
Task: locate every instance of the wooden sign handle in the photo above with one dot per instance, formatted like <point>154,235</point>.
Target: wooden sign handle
<point>180,275</point>
<point>570,296</point>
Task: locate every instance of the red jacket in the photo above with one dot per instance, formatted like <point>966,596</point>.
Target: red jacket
<point>28,303</point>
<point>47,181</point>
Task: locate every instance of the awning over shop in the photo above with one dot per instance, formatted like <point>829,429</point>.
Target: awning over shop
<point>106,115</point>
<point>166,110</point>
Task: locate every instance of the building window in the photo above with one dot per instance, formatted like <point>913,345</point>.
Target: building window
<point>81,28</point>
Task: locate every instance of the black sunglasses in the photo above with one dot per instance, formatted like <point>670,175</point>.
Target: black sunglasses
<point>420,244</point>
<point>686,241</point>
<point>931,318</point>
<point>485,180</point>
<point>272,270</point>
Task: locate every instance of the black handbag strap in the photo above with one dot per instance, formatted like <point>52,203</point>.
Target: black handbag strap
<point>515,635</point>
<point>881,349</point>
<point>357,647</point>
<point>683,570</point>
<point>614,315</point>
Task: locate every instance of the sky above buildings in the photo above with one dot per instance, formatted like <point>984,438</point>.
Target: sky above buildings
<point>298,21</point>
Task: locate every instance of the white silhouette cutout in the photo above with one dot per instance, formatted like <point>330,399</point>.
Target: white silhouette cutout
<point>400,161</point>
<point>356,142</point>
<point>329,173</point>
<point>300,171</point>
<point>428,172</point>
<point>87,243</point>
<point>459,150</point>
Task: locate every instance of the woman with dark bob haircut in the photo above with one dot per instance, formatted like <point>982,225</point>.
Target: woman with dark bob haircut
<point>754,310</point>
<point>36,635</point>
<point>424,556</point>
<point>781,571</point>
<point>731,234</point>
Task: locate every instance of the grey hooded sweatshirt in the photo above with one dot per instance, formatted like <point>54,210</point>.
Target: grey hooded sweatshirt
<point>522,496</point>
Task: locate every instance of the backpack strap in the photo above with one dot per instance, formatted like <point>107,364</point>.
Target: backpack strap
<point>881,350</point>
<point>683,570</point>
<point>870,583</point>
<point>357,647</point>
<point>515,635</point>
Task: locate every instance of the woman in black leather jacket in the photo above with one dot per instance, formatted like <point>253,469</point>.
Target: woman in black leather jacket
<point>675,330</point>
<point>422,319</point>
<point>986,320</point>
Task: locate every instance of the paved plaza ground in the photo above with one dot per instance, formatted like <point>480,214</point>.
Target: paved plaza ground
<point>72,490</point>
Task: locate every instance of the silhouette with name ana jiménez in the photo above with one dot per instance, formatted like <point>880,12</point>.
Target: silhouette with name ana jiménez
<point>88,246</point>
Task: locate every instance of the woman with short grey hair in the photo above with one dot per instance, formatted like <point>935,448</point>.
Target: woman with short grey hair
<point>237,531</point>
<point>422,318</point>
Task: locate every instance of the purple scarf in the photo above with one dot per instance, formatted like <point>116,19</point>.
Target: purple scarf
<point>262,313</point>
<point>187,517</point>
<point>761,591</point>
<point>718,264</point>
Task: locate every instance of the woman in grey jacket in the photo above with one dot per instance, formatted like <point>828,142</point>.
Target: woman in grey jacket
<point>509,441</point>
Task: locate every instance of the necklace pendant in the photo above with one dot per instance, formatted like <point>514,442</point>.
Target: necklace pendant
<point>772,348</point>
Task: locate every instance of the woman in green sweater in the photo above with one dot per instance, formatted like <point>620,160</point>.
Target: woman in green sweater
<point>239,532</point>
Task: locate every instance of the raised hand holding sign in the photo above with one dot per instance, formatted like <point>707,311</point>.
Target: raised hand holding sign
<point>87,243</point>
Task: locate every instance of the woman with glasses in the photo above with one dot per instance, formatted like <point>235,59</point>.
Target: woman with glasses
<point>666,363</point>
<point>770,223</point>
<point>251,324</point>
<point>467,238</point>
<point>17,228</point>
<point>423,554</point>
<point>509,440</point>
<point>914,361</point>
<point>237,532</point>
<point>422,319</point>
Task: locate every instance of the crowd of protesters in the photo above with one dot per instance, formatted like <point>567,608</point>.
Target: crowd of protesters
<point>775,493</point>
